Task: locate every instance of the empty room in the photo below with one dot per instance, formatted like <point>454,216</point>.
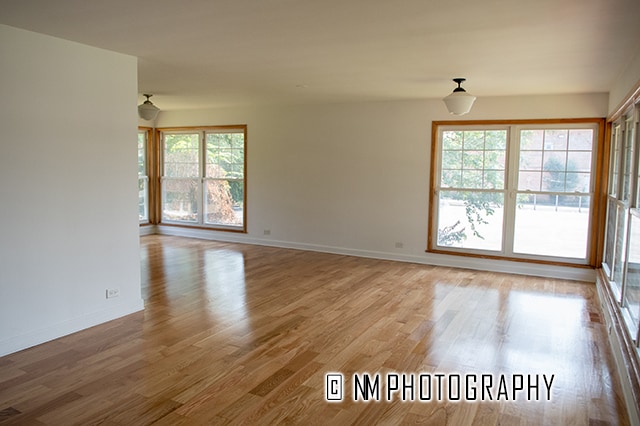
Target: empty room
<point>356,212</point>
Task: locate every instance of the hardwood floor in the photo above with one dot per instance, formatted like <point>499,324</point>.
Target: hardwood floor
<point>240,334</point>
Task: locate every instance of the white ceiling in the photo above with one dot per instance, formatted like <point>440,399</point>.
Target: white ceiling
<point>209,53</point>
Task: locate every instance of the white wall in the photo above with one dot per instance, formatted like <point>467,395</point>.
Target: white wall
<point>68,206</point>
<point>625,82</point>
<point>354,178</point>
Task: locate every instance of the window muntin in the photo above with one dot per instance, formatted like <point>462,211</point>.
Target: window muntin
<point>203,181</point>
<point>509,190</point>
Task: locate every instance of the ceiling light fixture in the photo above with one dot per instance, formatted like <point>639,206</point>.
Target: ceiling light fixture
<point>459,102</point>
<point>147,110</point>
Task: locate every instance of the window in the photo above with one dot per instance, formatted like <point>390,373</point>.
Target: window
<point>617,207</point>
<point>621,264</point>
<point>203,177</point>
<point>471,192</point>
<point>517,190</point>
<point>143,175</point>
<point>553,194</point>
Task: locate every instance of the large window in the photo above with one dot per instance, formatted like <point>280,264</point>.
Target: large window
<point>203,177</point>
<point>621,264</point>
<point>517,190</point>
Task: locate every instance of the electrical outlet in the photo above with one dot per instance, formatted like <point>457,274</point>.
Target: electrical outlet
<point>113,292</point>
<point>399,245</point>
<point>267,232</point>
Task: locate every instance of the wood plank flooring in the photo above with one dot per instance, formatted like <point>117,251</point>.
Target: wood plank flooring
<point>241,334</point>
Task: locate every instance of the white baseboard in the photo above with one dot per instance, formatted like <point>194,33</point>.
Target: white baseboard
<point>147,230</point>
<point>492,265</point>
<point>73,325</point>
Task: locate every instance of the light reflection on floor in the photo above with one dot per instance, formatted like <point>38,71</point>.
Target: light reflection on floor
<point>514,332</point>
<point>226,289</point>
<point>219,300</point>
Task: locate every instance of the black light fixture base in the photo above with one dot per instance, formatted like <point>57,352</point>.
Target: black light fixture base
<point>459,81</point>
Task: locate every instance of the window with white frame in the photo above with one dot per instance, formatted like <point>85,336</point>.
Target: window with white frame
<point>517,190</point>
<point>621,263</point>
<point>143,176</point>
<point>203,177</point>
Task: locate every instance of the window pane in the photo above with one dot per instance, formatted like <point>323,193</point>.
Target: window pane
<point>472,179</point>
<point>224,202</point>
<point>142,153</point>
<point>495,140</point>
<point>628,154</point>
<point>531,139</point>
<point>555,140</point>
<point>143,180</point>
<point>553,178</point>
<point>632,282</point>
<point>225,155</point>
<point>614,161</point>
<point>451,159</point>
<point>471,220</point>
<point>494,160</point>
<point>451,179</point>
<point>615,244</point>
<point>473,139</point>
<point>555,160</point>
<point>580,139</point>
<point>579,161</point>
<point>180,200</point>
<point>181,155</point>
<point>610,242</point>
<point>552,225</point>
<point>452,140</point>
<point>530,181</point>
<point>473,160</point>
<point>143,203</point>
<point>493,179</point>
<point>621,245</point>
<point>578,182</point>
<point>530,160</point>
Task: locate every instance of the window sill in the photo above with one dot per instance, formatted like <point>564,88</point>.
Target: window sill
<point>236,229</point>
<point>577,264</point>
